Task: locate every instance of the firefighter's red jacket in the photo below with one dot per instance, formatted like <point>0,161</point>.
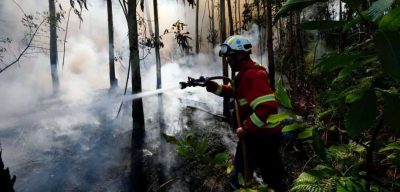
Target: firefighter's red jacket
<point>254,95</point>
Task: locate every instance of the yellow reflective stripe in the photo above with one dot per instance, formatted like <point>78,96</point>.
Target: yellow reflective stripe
<point>257,64</point>
<point>231,41</point>
<point>262,99</point>
<point>242,101</point>
<point>218,91</point>
<point>256,121</point>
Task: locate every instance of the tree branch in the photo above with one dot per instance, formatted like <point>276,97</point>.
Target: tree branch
<point>20,8</point>
<point>65,40</point>
<point>124,9</point>
<point>26,48</point>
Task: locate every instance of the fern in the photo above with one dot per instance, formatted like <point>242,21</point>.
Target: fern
<point>320,179</point>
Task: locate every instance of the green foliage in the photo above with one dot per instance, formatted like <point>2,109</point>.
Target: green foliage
<point>322,25</point>
<point>350,184</point>
<point>282,96</point>
<point>391,21</point>
<point>393,153</point>
<point>262,188</point>
<point>335,174</point>
<point>170,139</point>
<point>354,95</point>
<point>318,145</point>
<point>294,5</point>
<point>307,133</point>
<point>387,45</point>
<point>276,118</point>
<point>292,127</point>
<point>197,149</point>
<point>361,114</point>
<point>319,179</point>
<point>333,61</point>
<point>357,84</point>
<point>346,158</point>
<point>221,158</point>
<point>378,9</point>
<point>191,148</point>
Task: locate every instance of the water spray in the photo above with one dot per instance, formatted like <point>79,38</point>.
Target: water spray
<point>149,93</point>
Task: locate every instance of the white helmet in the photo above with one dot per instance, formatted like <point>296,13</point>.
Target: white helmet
<point>235,43</point>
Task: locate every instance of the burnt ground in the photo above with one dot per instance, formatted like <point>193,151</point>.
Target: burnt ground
<point>87,149</point>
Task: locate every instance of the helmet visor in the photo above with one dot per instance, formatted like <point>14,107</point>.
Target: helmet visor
<point>224,50</point>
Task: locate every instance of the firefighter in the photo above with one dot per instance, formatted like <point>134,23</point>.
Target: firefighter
<point>256,102</point>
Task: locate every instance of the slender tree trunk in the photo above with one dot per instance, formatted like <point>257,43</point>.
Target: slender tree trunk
<point>270,46</point>
<point>231,31</point>
<point>53,46</point>
<point>138,179</point>
<point>236,16</point>
<point>213,23</point>
<point>113,80</point>
<point>240,18</point>
<point>224,63</point>
<point>148,17</point>
<point>197,27</point>
<point>157,48</point>
<point>300,45</point>
<point>160,168</point>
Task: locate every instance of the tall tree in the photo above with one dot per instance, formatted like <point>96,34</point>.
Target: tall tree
<point>213,24</point>
<point>197,28</point>
<point>240,17</point>
<point>157,44</point>
<point>138,179</point>
<point>53,46</point>
<point>138,130</point>
<point>113,80</point>
<point>230,15</point>
<point>224,63</point>
<point>270,46</point>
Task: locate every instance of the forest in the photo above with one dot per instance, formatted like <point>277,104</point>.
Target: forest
<point>110,95</point>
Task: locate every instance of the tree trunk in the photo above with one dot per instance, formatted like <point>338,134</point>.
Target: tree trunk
<point>160,168</point>
<point>197,27</point>
<point>231,32</point>
<point>270,46</point>
<point>148,17</point>
<point>113,80</point>
<point>240,18</point>
<point>213,24</point>
<point>157,47</point>
<point>224,63</point>
<point>53,46</point>
<point>138,179</point>
<point>236,16</point>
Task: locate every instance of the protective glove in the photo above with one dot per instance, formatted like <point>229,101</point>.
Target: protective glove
<point>211,86</point>
<point>241,132</point>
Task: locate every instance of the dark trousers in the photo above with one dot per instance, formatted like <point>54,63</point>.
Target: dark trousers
<point>263,153</point>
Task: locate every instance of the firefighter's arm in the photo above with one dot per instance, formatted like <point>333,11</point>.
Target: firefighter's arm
<point>220,90</point>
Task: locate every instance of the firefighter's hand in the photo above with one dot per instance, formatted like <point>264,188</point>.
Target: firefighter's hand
<point>241,132</point>
<point>211,86</point>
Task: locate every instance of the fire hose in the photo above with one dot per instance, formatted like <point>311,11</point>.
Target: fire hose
<point>192,82</point>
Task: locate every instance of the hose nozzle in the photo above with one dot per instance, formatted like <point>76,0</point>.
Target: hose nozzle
<point>192,82</point>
